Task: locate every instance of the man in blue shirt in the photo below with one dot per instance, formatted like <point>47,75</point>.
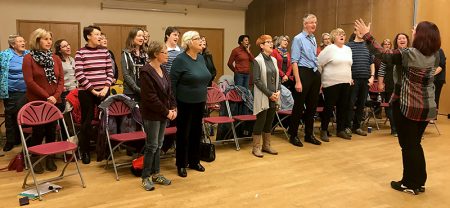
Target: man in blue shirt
<point>307,81</point>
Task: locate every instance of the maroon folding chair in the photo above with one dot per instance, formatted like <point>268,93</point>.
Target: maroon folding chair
<point>234,96</point>
<point>120,109</point>
<point>38,113</point>
<point>215,96</point>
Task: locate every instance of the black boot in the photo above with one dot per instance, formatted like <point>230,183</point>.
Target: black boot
<point>50,164</point>
<point>38,169</point>
<point>85,158</point>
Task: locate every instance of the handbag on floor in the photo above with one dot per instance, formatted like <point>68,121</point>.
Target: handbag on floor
<point>207,151</point>
<point>16,163</point>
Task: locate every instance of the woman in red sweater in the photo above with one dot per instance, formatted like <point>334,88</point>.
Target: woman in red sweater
<point>281,54</point>
<point>44,78</point>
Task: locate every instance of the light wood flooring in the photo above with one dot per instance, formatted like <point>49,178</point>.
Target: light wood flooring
<point>338,174</point>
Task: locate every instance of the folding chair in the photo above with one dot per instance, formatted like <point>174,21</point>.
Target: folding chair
<point>286,114</point>
<point>234,96</point>
<point>370,104</point>
<point>117,109</point>
<point>215,96</point>
<point>38,113</point>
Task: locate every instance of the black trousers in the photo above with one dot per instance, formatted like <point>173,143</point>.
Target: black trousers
<point>358,97</point>
<point>88,101</point>
<point>409,137</point>
<point>309,97</point>
<point>12,106</point>
<point>438,88</point>
<point>336,95</point>
<point>39,132</point>
<point>189,133</point>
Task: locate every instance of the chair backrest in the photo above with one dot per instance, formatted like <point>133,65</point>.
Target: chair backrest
<point>374,88</point>
<point>215,96</point>
<point>38,113</point>
<point>118,108</point>
<point>233,96</point>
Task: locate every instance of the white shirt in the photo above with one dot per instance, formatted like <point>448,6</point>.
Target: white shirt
<point>335,65</point>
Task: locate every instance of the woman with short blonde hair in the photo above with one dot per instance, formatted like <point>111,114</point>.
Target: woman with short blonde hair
<point>190,79</point>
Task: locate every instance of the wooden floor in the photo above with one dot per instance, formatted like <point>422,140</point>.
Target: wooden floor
<point>337,174</point>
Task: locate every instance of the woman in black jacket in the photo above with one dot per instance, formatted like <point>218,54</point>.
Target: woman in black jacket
<point>208,60</point>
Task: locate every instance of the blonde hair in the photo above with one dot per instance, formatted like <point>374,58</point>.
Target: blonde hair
<point>336,32</point>
<point>36,36</point>
<point>186,40</point>
<point>12,40</point>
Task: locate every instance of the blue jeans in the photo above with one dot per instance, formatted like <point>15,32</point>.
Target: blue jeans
<point>155,137</point>
<point>241,79</point>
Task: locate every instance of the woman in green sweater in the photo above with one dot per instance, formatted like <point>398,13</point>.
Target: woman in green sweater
<point>190,79</point>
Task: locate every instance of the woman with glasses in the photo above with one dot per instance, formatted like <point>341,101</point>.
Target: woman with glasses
<point>158,105</point>
<point>190,79</point>
<point>266,95</point>
<point>283,58</point>
<point>133,59</point>
<point>12,87</point>
<point>335,63</point>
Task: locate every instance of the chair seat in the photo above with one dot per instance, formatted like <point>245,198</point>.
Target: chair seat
<point>170,131</point>
<point>130,136</point>
<point>218,119</point>
<point>285,112</point>
<point>52,148</point>
<point>245,117</point>
<point>384,105</point>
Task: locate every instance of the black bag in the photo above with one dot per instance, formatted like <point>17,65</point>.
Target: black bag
<point>207,151</point>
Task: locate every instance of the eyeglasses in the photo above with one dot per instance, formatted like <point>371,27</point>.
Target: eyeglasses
<point>268,42</point>
<point>197,38</point>
<point>65,46</point>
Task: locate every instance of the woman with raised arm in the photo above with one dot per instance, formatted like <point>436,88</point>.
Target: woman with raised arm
<point>413,100</point>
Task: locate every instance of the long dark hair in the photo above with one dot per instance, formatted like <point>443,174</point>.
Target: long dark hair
<point>427,39</point>
<point>396,37</point>
<point>57,47</point>
<point>129,44</point>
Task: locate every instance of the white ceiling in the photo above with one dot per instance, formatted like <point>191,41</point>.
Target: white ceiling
<point>212,4</point>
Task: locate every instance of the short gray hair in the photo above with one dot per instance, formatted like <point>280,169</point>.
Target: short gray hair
<point>186,40</point>
<point>280,38</point>
<point>308,17</point>
<point>12,40</point>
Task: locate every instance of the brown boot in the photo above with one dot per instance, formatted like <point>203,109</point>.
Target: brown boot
<point>257,146</point>
<point>38,169</point>
<point>50,164</point>
<point>266,145</point>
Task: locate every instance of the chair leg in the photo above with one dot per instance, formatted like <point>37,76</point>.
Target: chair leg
<point>111,154</point>
<point>437,129</point>
<point>235,137</point>
<point>31,170</point>
<point>78,168</point>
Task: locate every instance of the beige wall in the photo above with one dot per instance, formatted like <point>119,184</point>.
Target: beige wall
<point>88,11</point>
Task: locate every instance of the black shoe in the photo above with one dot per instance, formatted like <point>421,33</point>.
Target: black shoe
<point>295,141</point>
<point>312,139</point>
<point>422,189</point>
<point>85,158</point>
<point>197,167</point>
<point>397,185</point>
<point>182,172</point>
<point>50,164</point>
<point>8,146</point>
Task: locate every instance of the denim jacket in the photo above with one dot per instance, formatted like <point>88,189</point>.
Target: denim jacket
<point>5,59</point>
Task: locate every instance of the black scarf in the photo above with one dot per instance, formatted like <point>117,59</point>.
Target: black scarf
<point>45,60</point>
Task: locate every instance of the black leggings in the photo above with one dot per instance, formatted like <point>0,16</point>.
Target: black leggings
<point>88,101</point>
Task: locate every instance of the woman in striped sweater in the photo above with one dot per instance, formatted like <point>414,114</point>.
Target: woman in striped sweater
<point>93,71</point>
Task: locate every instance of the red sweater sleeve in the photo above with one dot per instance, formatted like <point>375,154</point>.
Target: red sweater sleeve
<point>277,56</point>
<point>32,86</point>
